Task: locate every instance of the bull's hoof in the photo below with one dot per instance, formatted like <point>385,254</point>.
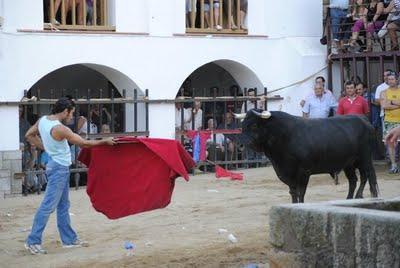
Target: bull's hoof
<point>359,196</point>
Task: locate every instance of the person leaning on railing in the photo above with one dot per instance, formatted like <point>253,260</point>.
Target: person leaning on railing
<point>394,24</point>
<point>68,7</point>
<point>338,13</point>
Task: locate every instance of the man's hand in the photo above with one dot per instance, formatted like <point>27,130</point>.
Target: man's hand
<point>392,136</point>
<point>302,102</point>
<point>110,141</point>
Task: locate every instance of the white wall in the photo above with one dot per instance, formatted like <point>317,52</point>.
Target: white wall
<point>161,62</point>
<point>23,14</point>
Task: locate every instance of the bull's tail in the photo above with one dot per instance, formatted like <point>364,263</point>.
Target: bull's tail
<point>373,184</point>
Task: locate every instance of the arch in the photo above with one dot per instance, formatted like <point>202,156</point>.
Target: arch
<point>244,76</point>
<point>83,76</point>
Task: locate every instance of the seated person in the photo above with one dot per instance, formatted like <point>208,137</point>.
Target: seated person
<point>216,148</point>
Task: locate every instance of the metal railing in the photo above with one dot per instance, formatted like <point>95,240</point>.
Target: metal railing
<point>114,119</point>
<point>225,144</point>
<point>216,16</point>
<point>77,15</point>
<point>358,34</point>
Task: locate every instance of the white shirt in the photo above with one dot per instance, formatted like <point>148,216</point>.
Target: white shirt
<point>198,120</point>
<point>382,87</point>
<point>186,117</point>
<point>318,107</point>
<point>252,105</point>
<point>219,139</point>
<point>342,4</point>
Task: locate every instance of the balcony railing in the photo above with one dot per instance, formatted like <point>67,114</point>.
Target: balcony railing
<point>216,16</point>
<point>80,15</point>
<point>362,32</point>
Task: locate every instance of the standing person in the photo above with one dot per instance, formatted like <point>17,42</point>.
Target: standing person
<point>196,117</point>
<point>352,103</point>
<point>338,13</point>
<point>191,6</point>
<point>318,80</point>
<point>54,138</point>
<point>382,87</point>
<point>318,104</point>
<point>390,102</point>
<point>207,14</point>
<point>251,104</point>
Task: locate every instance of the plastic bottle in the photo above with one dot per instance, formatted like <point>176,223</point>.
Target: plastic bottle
<point>232,238</point>
<point>130,248</point>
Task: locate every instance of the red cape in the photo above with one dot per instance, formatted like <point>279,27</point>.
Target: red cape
<point>136,175</point>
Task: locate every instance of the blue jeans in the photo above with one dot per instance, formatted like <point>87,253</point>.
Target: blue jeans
<point>56,197</point>
<point>337,15</point>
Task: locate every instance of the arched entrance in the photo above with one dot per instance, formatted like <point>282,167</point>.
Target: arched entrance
<point>206,102</point>
<point>107,104</point>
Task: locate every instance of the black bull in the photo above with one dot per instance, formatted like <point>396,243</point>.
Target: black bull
<point>299,148</point>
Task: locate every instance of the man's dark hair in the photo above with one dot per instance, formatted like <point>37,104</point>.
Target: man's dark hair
<point>349,82</point>
<point>389,70</point>
<point>251,90</point>
<point>62,104</point>
<point>320,77</point>
<point>361,83</point>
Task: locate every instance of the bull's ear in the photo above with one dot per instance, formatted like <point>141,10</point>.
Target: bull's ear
<point>265,114</point>
<point>239,116</point>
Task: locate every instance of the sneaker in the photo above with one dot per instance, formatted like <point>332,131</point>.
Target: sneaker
<point>218,27</point>
<point>35,249</point>
<point>77,244</point>
<point>394,170</point>
<point>55,22</point>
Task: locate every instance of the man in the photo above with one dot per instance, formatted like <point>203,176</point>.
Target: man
<point>352,103</point>
<point>338,12</point>
<point>318,104</point>
<point>390,102</point>
<point>251,104</point>
<point>379,91</point>
<point>196,117</point>
<point>54,138</point>
<point>318,80</point>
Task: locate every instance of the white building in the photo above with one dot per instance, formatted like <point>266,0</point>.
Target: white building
<point>147,47</point>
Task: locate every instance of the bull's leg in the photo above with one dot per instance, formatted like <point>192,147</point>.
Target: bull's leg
<point>373,184</point>
<point>293,193</point>
<point>363,181</point>
<point>336,178</point>
<point>302,181</point>
<point>352,178</point>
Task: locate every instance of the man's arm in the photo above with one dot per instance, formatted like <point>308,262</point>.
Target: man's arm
<point>340,110</point>
<point>32,136</point>
<point>306,115</point>
<point>61,132</point>
<point>387,104</point>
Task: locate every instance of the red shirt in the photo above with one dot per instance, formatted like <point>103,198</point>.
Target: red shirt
<point>358,106</point>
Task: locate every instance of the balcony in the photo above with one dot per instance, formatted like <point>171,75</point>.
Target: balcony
<point>216,16</point>
<point>77,15</point>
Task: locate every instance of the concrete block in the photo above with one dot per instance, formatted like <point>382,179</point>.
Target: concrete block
<point>5,184</point>
<point>12,155</point>
<point>5,173</point>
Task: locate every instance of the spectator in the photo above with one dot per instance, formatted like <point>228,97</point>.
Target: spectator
<point>23,125</point>
<point>179,110</point>
<point>68,7</point>
<point>359,16</point>
<point>105,129</point>
<point>394,25</point>
<point>390,102</point>
<point>215,20</point>
<point>352,103</point>
<point>318,80</point>
<point>338,13</point>
<point>95,117</point>
<point>319,104</point>
<point>216,148</point>
<point>90,19</point>
<point>376,19</point>
<point>196,117</point>
<point>382,87</point>
<point>251,104</point>
<point>191,6</point>
<point>243,12</point>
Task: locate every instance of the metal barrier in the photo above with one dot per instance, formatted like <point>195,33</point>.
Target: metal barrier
<point>224,145</point>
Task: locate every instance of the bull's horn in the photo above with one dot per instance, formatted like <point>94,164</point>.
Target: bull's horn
<point>263,114</point>
<point>239,116</point>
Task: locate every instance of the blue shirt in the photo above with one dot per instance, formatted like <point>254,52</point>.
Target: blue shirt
<point>319,107</point>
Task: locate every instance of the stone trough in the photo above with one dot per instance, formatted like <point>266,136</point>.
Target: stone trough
<point>350,233</point>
